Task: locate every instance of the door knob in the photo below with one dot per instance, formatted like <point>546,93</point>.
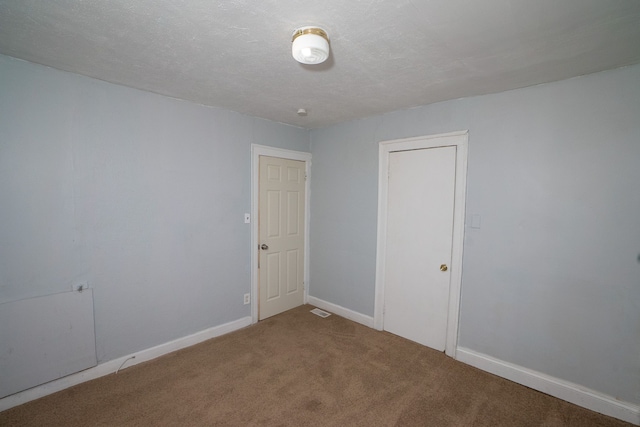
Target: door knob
<point>264,247</point>
<point>444,267</point>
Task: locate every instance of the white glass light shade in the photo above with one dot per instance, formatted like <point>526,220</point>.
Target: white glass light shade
<point>310,45</point>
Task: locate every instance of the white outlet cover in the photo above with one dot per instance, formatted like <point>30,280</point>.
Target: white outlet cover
<point>247,218</point>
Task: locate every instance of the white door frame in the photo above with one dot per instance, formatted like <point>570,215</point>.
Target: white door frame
<point>460,141</point>
<point>256,152</point>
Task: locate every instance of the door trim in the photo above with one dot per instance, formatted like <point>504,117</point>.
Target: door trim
<point>460,141</point>
<point>263,150</point>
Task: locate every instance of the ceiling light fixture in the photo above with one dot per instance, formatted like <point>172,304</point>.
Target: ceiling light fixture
<point>310,45</point>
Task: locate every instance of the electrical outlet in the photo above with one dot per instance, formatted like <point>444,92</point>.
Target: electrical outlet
<point>247,299</point>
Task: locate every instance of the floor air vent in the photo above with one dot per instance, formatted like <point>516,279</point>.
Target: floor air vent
<point>320,313</point>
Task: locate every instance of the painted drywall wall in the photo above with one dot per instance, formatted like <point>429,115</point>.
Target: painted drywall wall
<point>140,195</point>
<point>551,279</point>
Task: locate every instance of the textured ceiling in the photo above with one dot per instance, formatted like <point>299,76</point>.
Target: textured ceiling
<point>386,55</point>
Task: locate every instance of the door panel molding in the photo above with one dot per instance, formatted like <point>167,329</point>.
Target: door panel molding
<point>281,215</point>
<point>460,141</point>
<point>263,150</point>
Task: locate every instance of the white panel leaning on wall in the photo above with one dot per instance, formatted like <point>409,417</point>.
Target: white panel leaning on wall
<point>45,338</point>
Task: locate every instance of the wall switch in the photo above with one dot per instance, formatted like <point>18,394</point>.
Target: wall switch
<point>247,299</point>
<point>475,221</point>
<point>247,218</point>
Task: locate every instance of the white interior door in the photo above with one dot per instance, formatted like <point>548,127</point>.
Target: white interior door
<point>281,235</point>
<point>420,219</point>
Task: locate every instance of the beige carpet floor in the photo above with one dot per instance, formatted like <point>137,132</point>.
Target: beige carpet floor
<point>298,369</point>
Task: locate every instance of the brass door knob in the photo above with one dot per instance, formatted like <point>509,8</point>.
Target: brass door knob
<point>444,267</point>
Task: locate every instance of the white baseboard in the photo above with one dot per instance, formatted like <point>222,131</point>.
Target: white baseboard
<point>119,363</point>
<point>556,387</point>
<point>341,311</point>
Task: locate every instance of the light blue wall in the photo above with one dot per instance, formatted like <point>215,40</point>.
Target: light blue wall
<point>141,195</point>
<point>551,280</point>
